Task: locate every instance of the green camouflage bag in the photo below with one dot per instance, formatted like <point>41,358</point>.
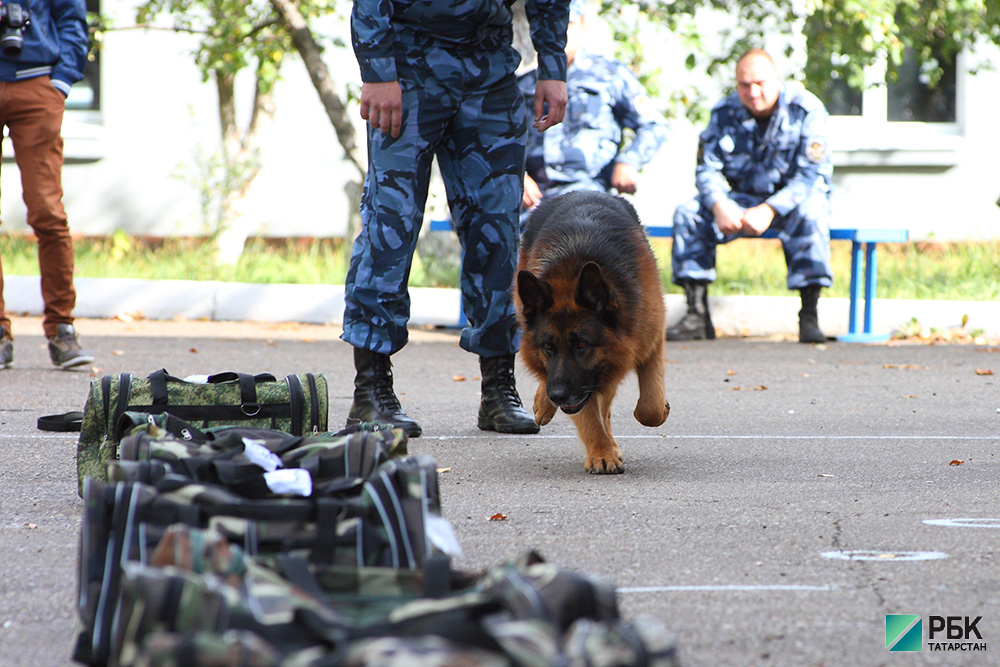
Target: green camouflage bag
<point>392,519</point>
<point>255,463</point>
<point>280,610</point>
<point>298,405</point>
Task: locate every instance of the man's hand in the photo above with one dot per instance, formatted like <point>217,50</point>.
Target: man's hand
<point>757,219</point>
<point>728,216</point>
<point>552,93</point>
<point>624,178</point>
<point>532,193</point>
<point>382,106</point>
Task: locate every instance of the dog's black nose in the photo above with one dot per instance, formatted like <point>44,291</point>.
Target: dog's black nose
<point>558,394</point>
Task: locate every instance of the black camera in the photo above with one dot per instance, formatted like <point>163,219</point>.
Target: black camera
<point>13,20</point>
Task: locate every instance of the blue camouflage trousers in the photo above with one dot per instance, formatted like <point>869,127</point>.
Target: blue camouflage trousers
<point>467,110</point>
<point>804,234</point>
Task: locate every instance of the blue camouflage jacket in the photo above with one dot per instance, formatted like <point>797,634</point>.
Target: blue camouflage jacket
<point>604,99</point>
<point>55,44</point>
<point>781,165</point>
<point>376,26</point>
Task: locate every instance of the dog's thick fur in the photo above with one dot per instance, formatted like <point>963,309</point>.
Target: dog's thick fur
<point>590,303</point>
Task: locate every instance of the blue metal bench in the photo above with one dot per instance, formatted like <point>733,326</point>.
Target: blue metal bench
<point>864,258</point>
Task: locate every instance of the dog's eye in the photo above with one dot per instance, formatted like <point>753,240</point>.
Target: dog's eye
<point>581,345</point>
<point>547,347</point>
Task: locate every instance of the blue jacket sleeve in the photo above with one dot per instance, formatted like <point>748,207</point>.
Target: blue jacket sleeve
<point>70,18</point>
<point>635,110</point>
<point>709,179</point>
<point>547,20</point>
<point>812,164</point>
<point>373,38</point>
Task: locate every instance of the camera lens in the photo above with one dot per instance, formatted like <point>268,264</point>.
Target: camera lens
<point>11,43</point>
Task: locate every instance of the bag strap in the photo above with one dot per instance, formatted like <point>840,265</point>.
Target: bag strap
<point>121,405</point>
<point>66,422</point>
<point>295,399</point>
<point>314,402</point>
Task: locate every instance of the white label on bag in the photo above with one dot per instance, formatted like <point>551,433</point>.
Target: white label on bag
<point>290,482</point>
<point>442,535</point>
<point>261,455</point>
<point>197,379</point>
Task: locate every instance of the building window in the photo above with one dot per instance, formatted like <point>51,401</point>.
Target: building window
<point>913,91</point>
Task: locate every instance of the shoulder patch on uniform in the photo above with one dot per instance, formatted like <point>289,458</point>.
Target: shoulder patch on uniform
<point>816,150</point>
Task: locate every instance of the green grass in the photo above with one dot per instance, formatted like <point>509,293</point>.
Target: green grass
<point>953,271</point>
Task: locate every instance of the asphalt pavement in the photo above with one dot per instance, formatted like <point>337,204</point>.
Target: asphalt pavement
<point>796,496</point>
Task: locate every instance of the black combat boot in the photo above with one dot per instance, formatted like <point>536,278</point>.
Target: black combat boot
<point>809,331</point>
<point>500,408</point>
<point>697,322</point>
<point>374,399</point>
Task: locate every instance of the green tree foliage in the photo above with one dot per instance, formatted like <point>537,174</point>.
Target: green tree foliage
<point>843,38</point>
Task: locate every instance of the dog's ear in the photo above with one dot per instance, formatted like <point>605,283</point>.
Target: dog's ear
<point>535,294</point>
<point>593,293</point>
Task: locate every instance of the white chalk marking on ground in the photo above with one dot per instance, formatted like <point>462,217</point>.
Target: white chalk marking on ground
<point>964,523</point>
<point>884,556</point>
<point>725,588</point>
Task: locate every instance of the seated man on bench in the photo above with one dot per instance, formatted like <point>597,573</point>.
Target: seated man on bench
<point>763,163</point>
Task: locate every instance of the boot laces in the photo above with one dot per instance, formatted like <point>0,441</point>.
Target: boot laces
<point>383,393</point>
<point>503,376</point>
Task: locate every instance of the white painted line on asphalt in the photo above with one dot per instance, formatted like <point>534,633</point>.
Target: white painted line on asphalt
<point>964,523</point>
<point>884,556</point>
<point>727,437</point>
<point>724,588</point>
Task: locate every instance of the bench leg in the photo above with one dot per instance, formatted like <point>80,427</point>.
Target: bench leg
<point>870,278</point>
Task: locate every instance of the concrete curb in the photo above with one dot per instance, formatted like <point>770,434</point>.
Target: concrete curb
<point>322,304</point>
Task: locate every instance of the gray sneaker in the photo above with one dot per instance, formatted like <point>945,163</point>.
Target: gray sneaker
<point>65,350</point>
<point>6,349</point>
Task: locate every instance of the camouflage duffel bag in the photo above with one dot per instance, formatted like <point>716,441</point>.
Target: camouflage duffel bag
<point>297,404</point>
<point>252,462</point>
<point>201,602</point>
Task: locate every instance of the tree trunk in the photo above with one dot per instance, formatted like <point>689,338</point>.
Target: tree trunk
<point>241,152</point>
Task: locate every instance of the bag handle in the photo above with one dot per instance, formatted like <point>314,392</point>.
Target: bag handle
<point>248,387</point>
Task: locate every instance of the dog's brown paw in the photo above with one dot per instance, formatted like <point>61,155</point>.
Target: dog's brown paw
<point>654,417</point>
<point>604,465</point>
<point>544,412</point>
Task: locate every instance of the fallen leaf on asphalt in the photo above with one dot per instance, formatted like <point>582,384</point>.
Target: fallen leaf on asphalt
<point>760,387</point>
<point>498,517</point>
<point>737,388</point>
<point>910,396</point>
<point>117,353</point>
<point>984,371</point>
<point>31,526</point>
<point>956,462</point>
<point>458,378</point>
<point>193,350</point>
<point>730,372</point>
<point>444,470</point>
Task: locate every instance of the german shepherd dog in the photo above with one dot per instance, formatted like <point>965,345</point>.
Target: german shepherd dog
<point>590,303</point>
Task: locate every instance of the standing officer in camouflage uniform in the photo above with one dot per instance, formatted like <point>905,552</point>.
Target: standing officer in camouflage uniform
<point>763,162</point>
<point>585,152</point>
<point>439,81</point>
